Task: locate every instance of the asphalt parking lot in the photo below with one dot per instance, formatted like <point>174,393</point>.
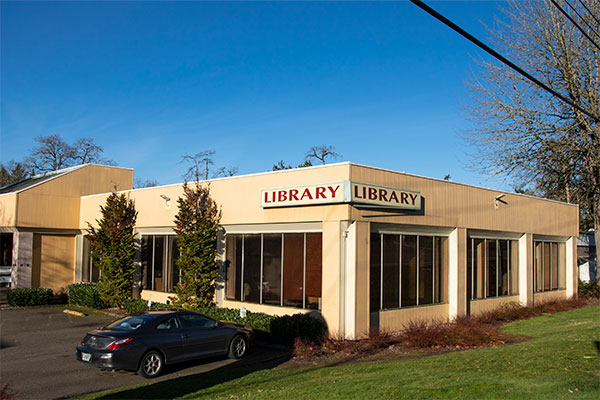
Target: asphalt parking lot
<point>37,356</point>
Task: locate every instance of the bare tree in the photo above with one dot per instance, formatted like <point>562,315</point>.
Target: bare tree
<point>52,154</point>
<point>225,171</point>
<point>200,165</point>
<point>139,183</point>
<point>321,153</point>
<point>526,133</point>
<point>86,151</point>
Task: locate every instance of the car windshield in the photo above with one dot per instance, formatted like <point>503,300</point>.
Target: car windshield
<point>131,323</point>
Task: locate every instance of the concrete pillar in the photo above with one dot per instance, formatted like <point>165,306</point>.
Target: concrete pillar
<point>332,271</point>
<point>571,280</point>
<point>526,269</point>
<point>363,233</point>
<point>457,273</point>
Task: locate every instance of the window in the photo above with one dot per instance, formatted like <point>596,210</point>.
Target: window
<point>492,268</point>
<point>196,321</point>
<point>170,323</point>
<point>6,249</point>
<point>276,269</point>
<point>159,254</point>
<point>89,269</point>
<point>407,270</point>
<point>549,266</point>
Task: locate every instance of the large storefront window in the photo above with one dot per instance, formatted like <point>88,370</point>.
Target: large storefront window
<point>492,268</point>
<point>159,253</point>
<point>407,270</point>
<point>89,269</point>
<point>549,266</point>
<point>275,269</point>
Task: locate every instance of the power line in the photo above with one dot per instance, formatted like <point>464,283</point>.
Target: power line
<point>498,56</point>
<point>589,11</point>
<point>566,14</point>
<point>581,18</point>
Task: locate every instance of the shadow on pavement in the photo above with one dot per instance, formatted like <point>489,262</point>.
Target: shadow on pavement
<point>182,386</point>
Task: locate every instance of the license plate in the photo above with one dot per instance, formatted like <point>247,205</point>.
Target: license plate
<point>86,357</point>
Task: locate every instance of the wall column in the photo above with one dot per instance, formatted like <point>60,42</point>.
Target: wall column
<point>332,272</point>
<point>526,269</point>
<point>571,266</point>
<point>362,286</point>
<point>457,273</point>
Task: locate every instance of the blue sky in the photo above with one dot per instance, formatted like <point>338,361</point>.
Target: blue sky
<point>257,82</point>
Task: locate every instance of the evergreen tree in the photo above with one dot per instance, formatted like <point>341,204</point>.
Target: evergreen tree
<point>113,248</point>
<point>196,225</point>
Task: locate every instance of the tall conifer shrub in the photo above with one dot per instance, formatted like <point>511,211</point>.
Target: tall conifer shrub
<point>196,225</point>
<point>113,248</point>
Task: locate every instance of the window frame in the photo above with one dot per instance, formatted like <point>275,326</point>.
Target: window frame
<point>553,244</point>
<point>509,271</point>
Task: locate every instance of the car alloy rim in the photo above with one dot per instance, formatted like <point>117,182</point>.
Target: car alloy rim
<point>152,364</point>
<point>239,347</point>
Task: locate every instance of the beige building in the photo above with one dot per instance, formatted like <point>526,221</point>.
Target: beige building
<point>366,248</point>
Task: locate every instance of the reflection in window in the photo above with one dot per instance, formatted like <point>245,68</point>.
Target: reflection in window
<point>407,270</point>
<point>492,268</point>
<point>89,269</point>
<point>159,256</point>
<point>549,266</point>
<point>276,269</point>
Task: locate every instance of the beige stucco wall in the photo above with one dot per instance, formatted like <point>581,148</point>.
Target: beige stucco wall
<point>397,320</point>
<point>485,305</point>
<point>8,209</point>
<point>452,204</point>
<point>549,296</point>
<point>55,204</point>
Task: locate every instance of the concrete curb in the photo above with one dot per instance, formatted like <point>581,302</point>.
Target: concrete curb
<point>77,313</point>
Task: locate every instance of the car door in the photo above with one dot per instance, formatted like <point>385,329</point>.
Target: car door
<point>202,336</point>
<point>168,336</point>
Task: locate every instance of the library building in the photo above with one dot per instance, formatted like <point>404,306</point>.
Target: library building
<point>363,247</point>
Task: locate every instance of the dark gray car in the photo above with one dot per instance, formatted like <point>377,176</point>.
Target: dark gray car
<point>147,342</point>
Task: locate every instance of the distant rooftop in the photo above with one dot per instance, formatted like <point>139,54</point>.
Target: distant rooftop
<point>35,180</point>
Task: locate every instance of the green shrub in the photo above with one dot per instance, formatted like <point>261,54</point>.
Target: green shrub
<point>589,289</point>
<point>133,306</point>
<point>85,294</point>
<point>29,297</point>
<point>258,321</point>
<point>288,328</point>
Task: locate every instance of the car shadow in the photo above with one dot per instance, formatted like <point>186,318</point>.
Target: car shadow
<point>181,386</point>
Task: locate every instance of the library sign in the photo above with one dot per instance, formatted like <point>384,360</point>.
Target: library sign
<point>342,192</point>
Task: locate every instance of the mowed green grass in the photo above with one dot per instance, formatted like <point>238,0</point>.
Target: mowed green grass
<point>560,361</point>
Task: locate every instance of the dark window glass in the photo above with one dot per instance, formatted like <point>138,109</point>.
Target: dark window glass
<point>195,321</point>
<point>314,260</point>
<point>293,269</point>
<point>6,248</point>
<point>554,267</point>
<point>514,267</point>
<point>503,263</point>
<point>391,273</point>
<point>234,267</point>
<point>170,323</point>
<point>159,254</point>
<point>147,246</point>
<point>479,268</point>
<point>375,272</point>
<point>271,284</point>
<point>252,259</point>
<point>441,268</point>
<point>409,270</point>
<point>425,270</point>
<point>538,280</point>
<point>172,268</point>
<point>547,270</point>
<point>470,260</point>
<point>492,283</point>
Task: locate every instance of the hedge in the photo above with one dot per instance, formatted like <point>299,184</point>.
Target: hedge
<point>29,297</point>
<point>287,328</point>
<point>133,306</point>
<point>85,294</point>
<point>590,289</point>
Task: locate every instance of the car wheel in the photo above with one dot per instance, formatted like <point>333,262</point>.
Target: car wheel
<point>151,364</point>
<point>238,347</point>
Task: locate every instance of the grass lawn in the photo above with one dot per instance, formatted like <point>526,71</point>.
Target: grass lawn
<point>560,361</point>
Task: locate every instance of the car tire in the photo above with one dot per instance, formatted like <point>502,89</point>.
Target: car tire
<point>151,364</point>
<point>238,347</point>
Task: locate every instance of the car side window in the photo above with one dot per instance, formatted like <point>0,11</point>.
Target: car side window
<point>195,321</point>
<point>170,323</point>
